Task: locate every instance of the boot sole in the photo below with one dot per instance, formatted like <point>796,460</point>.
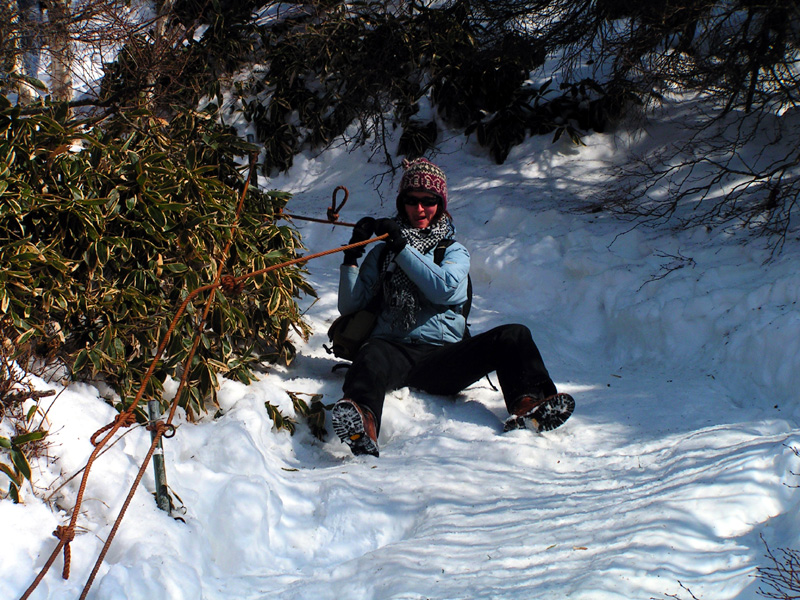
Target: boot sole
<point>349,427</point>
<point>549,415</point>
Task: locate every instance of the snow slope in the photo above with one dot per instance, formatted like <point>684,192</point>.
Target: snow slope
<point>675,471</point>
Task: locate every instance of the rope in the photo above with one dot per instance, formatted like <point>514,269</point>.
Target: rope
<point>229,284</point>
<point>332,212</point>
<point>303,259</point>
<point>160,428</point>
<point>124,419</point>
<point>65,535</point>
<point>126,415</point>
<point>314,220</point>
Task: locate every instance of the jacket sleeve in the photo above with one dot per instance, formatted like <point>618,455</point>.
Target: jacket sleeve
<point>357,285</point>
<point>443,284</point>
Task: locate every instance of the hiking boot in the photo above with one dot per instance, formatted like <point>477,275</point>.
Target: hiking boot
<point>540,414</point>
<point>355,426</point>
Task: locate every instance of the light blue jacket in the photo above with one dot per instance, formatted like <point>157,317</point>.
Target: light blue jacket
<point>443,291</point>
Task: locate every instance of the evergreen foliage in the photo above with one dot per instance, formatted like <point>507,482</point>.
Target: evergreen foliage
<point>359,62</point>
<point>21,433</point>
<point>103,232</point>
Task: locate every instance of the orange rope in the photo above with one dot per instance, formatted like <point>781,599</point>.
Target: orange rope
<point>174,405</point>
<point>302,259</point>
<point>160,428</point>
<point>65,535</point>
<point>314,220</point>
<point>126,418</point>
<point>332,212</point>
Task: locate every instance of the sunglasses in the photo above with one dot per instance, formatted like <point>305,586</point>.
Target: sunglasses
<point>426,201</point>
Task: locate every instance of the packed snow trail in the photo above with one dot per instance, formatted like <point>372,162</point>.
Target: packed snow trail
<point>675,470</point>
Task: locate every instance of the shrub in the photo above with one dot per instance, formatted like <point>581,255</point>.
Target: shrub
<point>104,231</point>
<point>19,407</point>
<point>313,412</point>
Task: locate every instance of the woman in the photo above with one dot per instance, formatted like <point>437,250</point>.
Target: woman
<point>420,339</point>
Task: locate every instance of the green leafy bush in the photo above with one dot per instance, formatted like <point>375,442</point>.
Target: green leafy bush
<point>104,232</point>
<point>20,469</point>
<point>19,406</point>
<point>313,412</point>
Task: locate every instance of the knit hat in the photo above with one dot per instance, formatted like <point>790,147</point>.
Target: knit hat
<point>421,174</point>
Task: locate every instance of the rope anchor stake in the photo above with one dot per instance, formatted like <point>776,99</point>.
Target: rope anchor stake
<point>159,471</point>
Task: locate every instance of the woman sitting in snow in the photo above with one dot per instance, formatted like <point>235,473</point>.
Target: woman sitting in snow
<point>420,338</point>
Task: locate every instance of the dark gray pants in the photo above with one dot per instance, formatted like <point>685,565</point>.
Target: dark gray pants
<point>509,350</point>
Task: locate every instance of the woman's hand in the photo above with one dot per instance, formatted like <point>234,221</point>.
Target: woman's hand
<point>362,231</point>
<point>395,241</point>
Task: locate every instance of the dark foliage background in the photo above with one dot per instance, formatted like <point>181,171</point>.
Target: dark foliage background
<point>364,64</point>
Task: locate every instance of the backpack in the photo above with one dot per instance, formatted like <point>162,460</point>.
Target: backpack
<point>349,332</point>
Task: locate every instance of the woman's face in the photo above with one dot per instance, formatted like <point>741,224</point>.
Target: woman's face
<point>421,208</point>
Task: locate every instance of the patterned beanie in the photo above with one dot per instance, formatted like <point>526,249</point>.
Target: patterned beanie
<point>421,174</point>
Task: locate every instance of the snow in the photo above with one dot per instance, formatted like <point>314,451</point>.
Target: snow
<point>675,471</point>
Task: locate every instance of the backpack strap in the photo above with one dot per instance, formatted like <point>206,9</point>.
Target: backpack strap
<point>438,252</point>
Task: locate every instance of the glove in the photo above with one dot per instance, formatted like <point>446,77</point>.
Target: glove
<point>362,231</point>
<point>396,242</point>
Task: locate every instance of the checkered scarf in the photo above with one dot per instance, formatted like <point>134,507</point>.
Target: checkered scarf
<point>400,295</point>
